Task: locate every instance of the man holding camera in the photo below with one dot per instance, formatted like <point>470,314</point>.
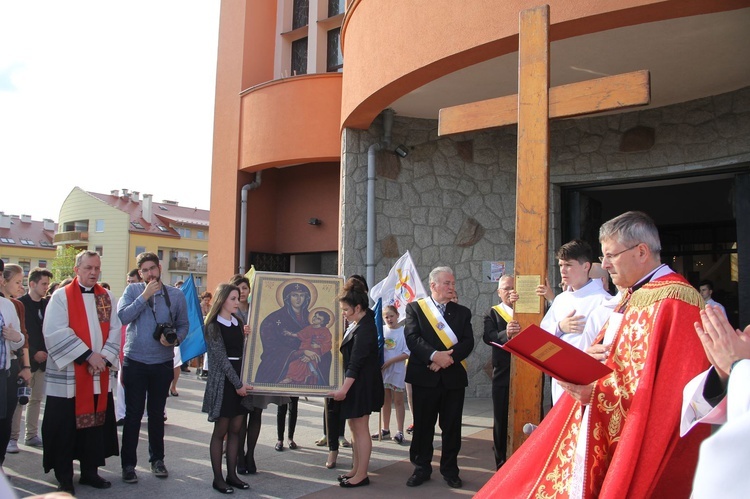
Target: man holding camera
<point>82,336</point>
<point>156,319</point>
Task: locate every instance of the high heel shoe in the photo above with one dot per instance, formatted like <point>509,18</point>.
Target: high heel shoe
<point>331,462</point>
<point>348,485</point>
<point>223,490</point>
<point>239,484</point>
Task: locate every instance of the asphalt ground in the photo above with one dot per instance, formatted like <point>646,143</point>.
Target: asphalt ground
<point>286,474</point>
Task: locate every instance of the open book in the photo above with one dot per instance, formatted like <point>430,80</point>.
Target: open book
<point>550,354</point>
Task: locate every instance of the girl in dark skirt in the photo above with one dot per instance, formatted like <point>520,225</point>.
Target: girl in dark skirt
<point>223,399</point>
<point>362,390</point>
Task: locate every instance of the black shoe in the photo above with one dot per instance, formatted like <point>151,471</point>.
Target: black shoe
<point>416,480</point>
<point>223,490</point>
<point>349,485</point>
<point>128,475</point>
<point>66,487</point>
<point>95,481</point>
<point>454,482</point>
<point>158,469</point>
<point>344,477</point>
<point>279,446</point>
<point>239,484</point>
<point>241,469</point>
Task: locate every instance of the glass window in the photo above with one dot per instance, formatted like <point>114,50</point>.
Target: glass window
<point>100,225</point>
<point>137,225</point>
<point>200,234</point>
<point>42,264</point>
<point>299,57</point>
<point>300,13</point>
<point>100,250</point>
<point>139,250</point>
<point>335,59</point>
<point>160,254</point>
<point>336,7</point>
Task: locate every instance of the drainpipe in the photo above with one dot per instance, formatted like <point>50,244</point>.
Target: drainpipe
<point>371,157</point>
<point>243,220</point>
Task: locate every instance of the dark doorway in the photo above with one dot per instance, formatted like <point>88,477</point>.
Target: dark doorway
<point>698,221</point>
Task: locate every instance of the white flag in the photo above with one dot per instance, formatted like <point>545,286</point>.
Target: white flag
<point>401,286</point>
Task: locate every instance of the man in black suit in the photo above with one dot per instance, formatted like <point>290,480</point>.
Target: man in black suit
<point>439,335</point>
<point>499,327</point>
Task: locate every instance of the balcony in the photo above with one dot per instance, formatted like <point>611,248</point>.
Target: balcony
<point>184,265</point>
<point>71,238</point>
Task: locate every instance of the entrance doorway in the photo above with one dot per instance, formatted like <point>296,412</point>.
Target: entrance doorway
<point>701,225</point>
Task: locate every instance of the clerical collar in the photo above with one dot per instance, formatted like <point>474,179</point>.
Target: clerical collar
<point>647,278</point>
<point>85,290</point>
<point>225,322</point>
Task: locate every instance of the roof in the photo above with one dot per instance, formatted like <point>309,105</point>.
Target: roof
<point>27,233</point>
<point>163,214</point>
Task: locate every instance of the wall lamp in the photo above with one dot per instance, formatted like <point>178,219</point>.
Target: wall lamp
<point>314,221</point>
<point>402,151</point>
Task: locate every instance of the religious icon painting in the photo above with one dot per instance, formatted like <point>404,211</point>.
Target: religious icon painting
<point>296,333</point>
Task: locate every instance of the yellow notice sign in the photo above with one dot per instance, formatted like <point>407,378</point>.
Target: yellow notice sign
<point>545,351</point>
<point>528,301</point>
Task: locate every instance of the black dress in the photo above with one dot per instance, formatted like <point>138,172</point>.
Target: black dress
<point>234,343</point>
<point>362,362</point>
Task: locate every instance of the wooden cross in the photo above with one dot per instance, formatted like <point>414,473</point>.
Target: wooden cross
<point>532,107</point>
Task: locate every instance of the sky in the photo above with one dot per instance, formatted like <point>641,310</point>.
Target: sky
<point>106,95</point>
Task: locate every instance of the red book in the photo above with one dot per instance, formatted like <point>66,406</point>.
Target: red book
<point>550,354</point>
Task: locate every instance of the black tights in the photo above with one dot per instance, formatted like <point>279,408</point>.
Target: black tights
<point>251,429</point>
<point>229,427</point>
<point>281,418</point>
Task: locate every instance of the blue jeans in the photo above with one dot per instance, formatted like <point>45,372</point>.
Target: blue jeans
<point>146,385</point>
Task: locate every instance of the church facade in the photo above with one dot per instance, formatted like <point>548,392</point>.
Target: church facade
<point>303,143</point>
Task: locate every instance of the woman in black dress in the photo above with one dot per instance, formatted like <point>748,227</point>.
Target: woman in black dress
<point>362,391</point>
<point>223,399</point>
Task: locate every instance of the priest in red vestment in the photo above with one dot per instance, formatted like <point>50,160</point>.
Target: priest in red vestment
<point>619,437</point>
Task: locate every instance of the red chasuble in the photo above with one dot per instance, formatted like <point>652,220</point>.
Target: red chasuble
<point>633,447</point>
<point>86,414</point>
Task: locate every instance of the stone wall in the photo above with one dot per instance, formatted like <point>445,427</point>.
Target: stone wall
<point>451,201</point>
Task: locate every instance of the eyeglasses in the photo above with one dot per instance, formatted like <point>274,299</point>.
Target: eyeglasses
<point>612,257</point>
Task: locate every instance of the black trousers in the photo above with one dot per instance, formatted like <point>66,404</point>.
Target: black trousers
<point>432,405</point>
<point>500,396</point>
<point>336,422</point>
<point>281,418</point>
<point>9,399</point>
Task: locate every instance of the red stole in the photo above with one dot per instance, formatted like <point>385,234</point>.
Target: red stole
<point>633,444</point>
<point>86,414</point>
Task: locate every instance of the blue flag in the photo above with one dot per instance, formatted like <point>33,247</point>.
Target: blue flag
<point>378,311</point>
<point>194,343</point>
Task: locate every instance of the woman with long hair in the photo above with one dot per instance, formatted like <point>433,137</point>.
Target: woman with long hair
<point>362,391</point>
<point>225,391</point>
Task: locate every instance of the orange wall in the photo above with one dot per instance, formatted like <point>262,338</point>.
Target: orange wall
<point>245,58</point>
<point>392,47</point>
<point>291,121</point>
<point>287,198</point>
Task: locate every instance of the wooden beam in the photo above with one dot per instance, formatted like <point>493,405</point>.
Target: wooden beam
<point>532,202</point>
<point>565,101</point>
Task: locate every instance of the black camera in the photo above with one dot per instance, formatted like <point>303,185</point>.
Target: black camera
<point>167,331</point>
<point>24,392</point>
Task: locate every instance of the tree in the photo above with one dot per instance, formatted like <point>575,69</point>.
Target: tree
<point>62,265</point>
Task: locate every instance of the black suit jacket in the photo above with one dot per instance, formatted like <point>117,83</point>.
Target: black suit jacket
<point>423,341</point>
<point>495,330</point>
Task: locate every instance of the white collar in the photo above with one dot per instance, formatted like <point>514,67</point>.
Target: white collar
<point>221,320</point>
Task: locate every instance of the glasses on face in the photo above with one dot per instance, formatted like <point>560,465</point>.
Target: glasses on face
<point>506,289</point>
<point>615,255</point>
<point>150,269</point>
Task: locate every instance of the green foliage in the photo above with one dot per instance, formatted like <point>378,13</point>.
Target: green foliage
<point>64,262</point>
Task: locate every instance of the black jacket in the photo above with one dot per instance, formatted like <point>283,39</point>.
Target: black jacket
<point>495,330</point>
<point>422,340</point>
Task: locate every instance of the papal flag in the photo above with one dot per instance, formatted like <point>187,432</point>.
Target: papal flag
<point>194,343</point>
<point>401,286</point>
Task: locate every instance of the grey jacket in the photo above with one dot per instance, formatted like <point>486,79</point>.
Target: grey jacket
<point>219,368</point>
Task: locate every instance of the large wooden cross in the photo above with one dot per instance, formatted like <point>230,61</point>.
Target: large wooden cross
<point>533,107</point>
